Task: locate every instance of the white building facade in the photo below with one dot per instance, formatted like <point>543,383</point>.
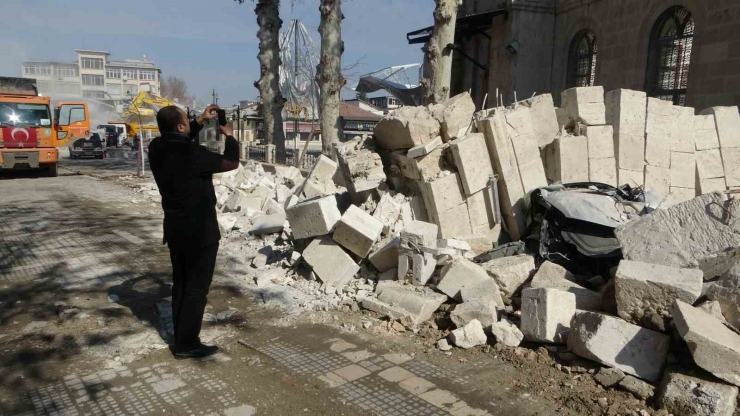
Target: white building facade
<point>94,76</point>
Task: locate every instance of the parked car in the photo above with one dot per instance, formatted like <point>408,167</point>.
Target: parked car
<point>114,134</point>
<point>90,147</point>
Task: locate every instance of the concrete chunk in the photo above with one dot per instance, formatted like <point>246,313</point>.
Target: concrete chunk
<point>268,224</point>
<point>385,255</point>
<point>469,336</point>
<point>424,149</point>
<point>357,231</point>
<point>475,171</point>
<point>460,273</point>
<point>567,159</point>
<point>330,263</point>
<point>554,276</point>
<point>714,347</point>
<point>727,121</point>
<point>421,303</point>
<point>645,292</point>
<point>544,118</point>
<point>405,128</point>
<point>681,394</point>
<point>510,273</point>
<point>388,210</point>
<point>616,343</point>
<point>483,311</point>
<point>507,333</point>
<point>600,141</point>
<point>546,314</point>
<point>313,217</point>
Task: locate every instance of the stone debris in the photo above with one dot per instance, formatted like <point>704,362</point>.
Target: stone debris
<point>547,314</point>
<point>637,387</point>
<point>314,217</point>
<point>469,336</point>
<point>332,264</point>
<point>510,273</point>
<point>682,394</point>
<point>357,231</point>
<point>483,311</point>
<point>609,377</point>
<point>460,273</point>
<point>553,276</point>
<point>507,333</point>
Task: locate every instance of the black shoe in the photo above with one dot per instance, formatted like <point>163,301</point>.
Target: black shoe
<point>200,352</point>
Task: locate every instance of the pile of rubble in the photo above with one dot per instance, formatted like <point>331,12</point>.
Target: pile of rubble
<point>429,218</point>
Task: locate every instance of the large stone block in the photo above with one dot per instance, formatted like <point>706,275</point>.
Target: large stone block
<point>511,192</point>
<point>313,217</point>
<point>469,336</point>
<point>645,292</point>
<point>709,164</point>
<point>626,111</point>
<point>658,150</point>
<point>533,175</point>
<point>603,171</point>
<point>682,137</point>
<point>546,314</point>
<point>616,343</point>
<point>419,233</point>
<point>711,185</point>
<point>510,273</point>
<point>507,333</point>
<point>727,121</point>
<point>585,105</point>
<point>362,170</point>
<point>554,276</point>
<point>268,224</point>
<point>428,167</point>
<point>324,169</point>
<point>424,149</point>
<point>405,128</point>
<point>600,141</point>
<point>683,170</point>
<point>385,255</point>
<point>726,292</point>
<point>420,302</point>
<point>567,159</point>
<point>658,179</point>
<point>705,133</point>
<point>693,234</point>
<point>455,116</point>
<point>442,194</point>
<point>684,395</point>
<point>357,231</point>
<point>480,208</point>
<point>331,264</point>
<point>630,151</point>
<point>714,347</point>
<point>731,161</point>
<point>459,273</point>
<point>455,222</point>
<point>544,118</point>
<point>677,196</point>
<point>415,268</point>
<point>484,311</point>
<point>522,136</point>
<point>475,171</point>
<point>660,117</point>
<point>482,291</point>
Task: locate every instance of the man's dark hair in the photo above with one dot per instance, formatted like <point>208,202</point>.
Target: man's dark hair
<point>168,118</point>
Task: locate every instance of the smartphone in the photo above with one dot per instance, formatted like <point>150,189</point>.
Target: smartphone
<point>221,117</point>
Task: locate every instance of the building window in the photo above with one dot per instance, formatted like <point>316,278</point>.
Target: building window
<point>113,89</point>
<point>670,56</point>
<point>130,90</point>
<point>36,70</point>
<point>128,73</point>
<point>113,73</point>
<point>93,80</point>
<point>70,88</point>
<point>65,71</point>
<point>582,60</point>
<point>44,87</point>
<point>94,94</point>
<point>146,75</point>
<point>92,63</point>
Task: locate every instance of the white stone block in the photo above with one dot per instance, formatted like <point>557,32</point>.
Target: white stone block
<point>544,118</point>
<point>510,273</point>
<point>268,224</point>
<point>709,164</point>
<point>714,347</point>
<point>603,171</point>
<point>658,150</point>
<point>533,175</point>
<point>331,264</point>
<point>483,311</point>
<point>406,127</point>
<point>677,196</point>
<point>626,111</point>
<point>681,394</point>
<point>727,120</point>
<point>427,167</point>
<point>459,273</point>
<point>630,151</point>
<point>424,149</point>
<point>585,105</point>
<point>658,179</point>
<point>507,333</point>
<point>357,231</point>
<point>554,276</point>
<point>314,217</point>
<point>660,117</point>
<point>385,255</point>
<point>454,222</point>
<point>415,268</point>
<point>711,185</point>
<point>731,161</point>
<point>683,170</point>
<point>705,133</point>
<point>600,141</point>
<point>482,291</point>
<point>567,159</point>
<point>546,314</point>
<point>619,344</point>
<point>421,303</point>
<point>469,336</point>
<point>522,136</point>
<point>324,169</point>
<point>442,194</point>
<point>682,137</point>
<point>631,177</point>
<point>419,233</point>
<point>480,208</point>
<point>226,222</point>
<point>470,158</point>
<point>455,115</point>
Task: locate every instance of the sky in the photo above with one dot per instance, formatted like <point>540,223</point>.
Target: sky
<point>210,44</point>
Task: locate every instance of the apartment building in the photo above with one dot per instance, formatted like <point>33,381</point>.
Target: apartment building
<point>93,75</point>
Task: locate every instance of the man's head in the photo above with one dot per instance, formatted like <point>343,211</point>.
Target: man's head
<point>172,119</point>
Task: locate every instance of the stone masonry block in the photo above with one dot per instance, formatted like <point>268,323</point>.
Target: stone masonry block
<point>711,185</point>
<point>442,194</point>
<point>677,196</point>
<point>455,222</point>
<point>357,231</point>
<point>645,292</point>
<point>480,208</point>
<point>485,312</point>
<point>459,273</point>
<point>682,137</point>
<point>330,263</point>
<point>705,133</point>
<point>714,347</point>
<point>727,120</point>
<point>405,128</point>
<point>683,170</point>
<point>600,141</point>
<point>313,217</point>
<point>533,175</point>
<point>454,115</point>
<point>324,169</point>
<point>475,171</point>
<point>385,255</point>
<point>544,118</point>
<point>626,111</point>
<point>603,170</point>
<point>731,161</point>
<point>631,177</point>
<point>630,150</point>
<point>424,149</point>
<point>420,302</point>
<point>616,343</point>
<point>567,159</point>
<point>546,314</point>
<point>681,394</point>
<point>658,150</point>
<point>510,273</point>
<point>658,179</point>
<point>554,276</point>
<point>585,105</point>
<point>709,164</point>
<point>660,117</point>
<point>428,167</point>
<point>521,134</point>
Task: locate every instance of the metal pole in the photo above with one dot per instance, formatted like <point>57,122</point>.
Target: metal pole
<point>295,61</point>
<point>141,146</point>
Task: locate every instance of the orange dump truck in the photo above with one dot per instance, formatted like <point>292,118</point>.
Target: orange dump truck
<point>28,136</point>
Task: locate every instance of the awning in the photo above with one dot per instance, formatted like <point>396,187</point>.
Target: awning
<point>466,24</point>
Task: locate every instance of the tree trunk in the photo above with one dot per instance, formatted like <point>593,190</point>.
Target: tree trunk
<point>329,73</point>
<point>271,100</point>
<point>438,57</point>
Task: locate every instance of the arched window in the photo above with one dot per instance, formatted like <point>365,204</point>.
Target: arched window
<point>582,60</point>
<point>670,55</point>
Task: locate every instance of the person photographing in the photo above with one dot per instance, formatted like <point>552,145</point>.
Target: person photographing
<point>183,171</point>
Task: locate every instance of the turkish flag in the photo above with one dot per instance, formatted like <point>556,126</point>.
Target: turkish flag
<point>19,137</point>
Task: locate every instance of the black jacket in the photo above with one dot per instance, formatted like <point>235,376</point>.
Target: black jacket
<point>183,171</point>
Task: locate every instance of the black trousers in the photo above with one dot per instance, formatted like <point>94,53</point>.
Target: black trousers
<point>192,273</point>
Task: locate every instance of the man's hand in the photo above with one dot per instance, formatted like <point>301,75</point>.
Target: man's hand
<point>208,114</point>
<point>227,130</point>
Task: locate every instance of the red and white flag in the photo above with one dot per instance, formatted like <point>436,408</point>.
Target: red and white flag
<point>19,137</point>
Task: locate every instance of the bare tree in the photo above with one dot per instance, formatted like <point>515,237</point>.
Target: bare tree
<point>329,72</point>
<point>438,56</point>
<point>174,88</point>
<point>271,100</point>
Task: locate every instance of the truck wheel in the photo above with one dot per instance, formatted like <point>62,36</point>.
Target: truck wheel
<point>53,170</point>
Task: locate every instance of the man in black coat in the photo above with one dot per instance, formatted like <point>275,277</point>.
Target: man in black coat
<point>183,171</point>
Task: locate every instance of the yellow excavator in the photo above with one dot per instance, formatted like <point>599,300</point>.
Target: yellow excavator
<point>140,116</point>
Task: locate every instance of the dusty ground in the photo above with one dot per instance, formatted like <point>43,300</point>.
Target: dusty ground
<point>84,283</point>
